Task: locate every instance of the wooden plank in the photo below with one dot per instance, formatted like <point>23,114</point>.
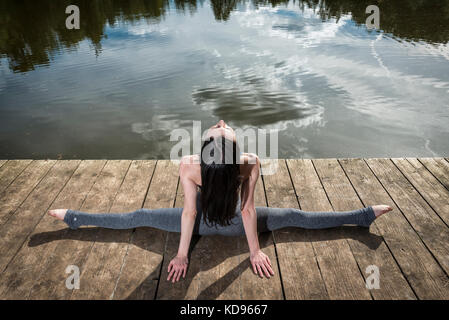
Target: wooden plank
<point>16,193</point>
<point>420,215</point>
<point>427,185</point>
<point>22,223</point>
<point>30,261</point>
<point>34,269</point>
<point>220,274</point>
<point>301,276</point>
<point>73,249</point>
<point>337,264</point>
<point>139,280</point>
<point>105,260</point>
<point>10,171</point>
<point>367,246</point>
<point>417,264</point>
<point>208,274</point>
<point>252,286</point>
<point>188,287</point>
<point>439,168</point>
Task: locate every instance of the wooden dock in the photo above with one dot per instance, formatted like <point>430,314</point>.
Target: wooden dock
<point>410,245</point>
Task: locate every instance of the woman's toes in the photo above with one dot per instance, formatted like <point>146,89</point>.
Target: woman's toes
<point>52,213</point>
<point>381,209</point>
<point>58,213</point>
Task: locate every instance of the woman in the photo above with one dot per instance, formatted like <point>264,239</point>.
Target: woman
<point>220,173</point>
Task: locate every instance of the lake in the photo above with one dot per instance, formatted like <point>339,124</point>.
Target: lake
<point>310,70</point>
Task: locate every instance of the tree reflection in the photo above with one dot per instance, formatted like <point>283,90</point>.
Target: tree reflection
<point>32,31</point>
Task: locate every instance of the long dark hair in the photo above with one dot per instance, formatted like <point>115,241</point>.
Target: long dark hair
<point>220,180</point>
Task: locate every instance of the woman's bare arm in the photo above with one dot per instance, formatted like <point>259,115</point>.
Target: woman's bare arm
<point>188,214</point>
<point>248,208</point>
<point>260,262</point>
<point>179,264</point>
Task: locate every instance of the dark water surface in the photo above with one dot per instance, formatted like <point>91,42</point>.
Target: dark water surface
<point>136,70</point>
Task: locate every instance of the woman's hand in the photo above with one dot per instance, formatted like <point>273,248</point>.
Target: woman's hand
<point>177,266</point>
<point>261,264</point>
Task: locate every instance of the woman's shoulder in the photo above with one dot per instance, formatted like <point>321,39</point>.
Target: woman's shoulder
<point>249,158</point>
<point>190,160</point>
<point>249,162</point>
<point>190,168</point>
<point>245,159</point>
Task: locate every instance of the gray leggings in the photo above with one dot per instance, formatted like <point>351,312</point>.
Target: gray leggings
<point>268,219</point>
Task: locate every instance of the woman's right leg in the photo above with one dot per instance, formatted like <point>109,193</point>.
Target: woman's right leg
<point>270,219</point>
<point>168,219</point>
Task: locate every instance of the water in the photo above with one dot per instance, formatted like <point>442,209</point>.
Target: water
<point>136,70</point>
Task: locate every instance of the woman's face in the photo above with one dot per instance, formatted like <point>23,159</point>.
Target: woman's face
<point>221,129</point>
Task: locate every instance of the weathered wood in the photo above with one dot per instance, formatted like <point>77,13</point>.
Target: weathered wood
<point>416,262</point>
<point>141,269</point>
<point>73,249</point>
<point>252,286</point>
<point>298,263</point>
<point>22,223</point>
<point>10,170</point>
<point>439,167</point>
<point>420,215</point>
<point>409,244</point>
<point>225,273</point>
<point>367,246</point>
<point>337,264</point>
<point>30,261</point>
<point>427,185</point>
<point>188,287</point>
<point>18,191</point>
<point>103,265</point>
<point>208,274</point>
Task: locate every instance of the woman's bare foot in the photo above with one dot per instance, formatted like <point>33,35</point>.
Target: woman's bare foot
<point>381,209</point>
<point>58,213</point>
